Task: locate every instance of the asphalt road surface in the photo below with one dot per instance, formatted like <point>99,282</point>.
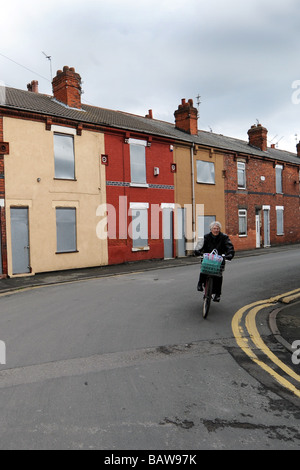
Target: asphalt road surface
<point>128,363</point>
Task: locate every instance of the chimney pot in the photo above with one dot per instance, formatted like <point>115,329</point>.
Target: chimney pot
<point>33,86</point>
<point>150,114</point>
<point>298,149</point>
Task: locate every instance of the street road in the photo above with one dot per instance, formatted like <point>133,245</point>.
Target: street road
<point>127,362</point>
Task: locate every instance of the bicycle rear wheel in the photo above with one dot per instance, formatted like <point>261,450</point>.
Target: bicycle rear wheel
<point>207,296</point>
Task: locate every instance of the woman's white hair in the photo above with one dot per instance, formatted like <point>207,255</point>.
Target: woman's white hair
<point>215,223</point>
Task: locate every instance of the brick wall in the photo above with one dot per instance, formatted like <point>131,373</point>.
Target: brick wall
<point>67,87</point>
<point>261,191</point>
<point>186,117</point>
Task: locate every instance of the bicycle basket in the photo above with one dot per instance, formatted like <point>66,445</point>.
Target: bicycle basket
<point>212,264</point>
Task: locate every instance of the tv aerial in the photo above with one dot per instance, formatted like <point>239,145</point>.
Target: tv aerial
<point>48,57</point>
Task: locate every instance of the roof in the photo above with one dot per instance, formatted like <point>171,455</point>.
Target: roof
<point>47,105</point>
<point>242,147</point>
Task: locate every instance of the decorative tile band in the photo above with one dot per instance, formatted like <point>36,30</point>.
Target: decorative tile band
<point>151,186</point>
<point>117,183</point>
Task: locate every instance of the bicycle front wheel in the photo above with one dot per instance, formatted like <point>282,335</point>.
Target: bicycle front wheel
<point>207,296</point>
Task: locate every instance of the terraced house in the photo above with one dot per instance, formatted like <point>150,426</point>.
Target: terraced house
<point>83,186</point>
<point>252,189</point>
<point>53,180</point>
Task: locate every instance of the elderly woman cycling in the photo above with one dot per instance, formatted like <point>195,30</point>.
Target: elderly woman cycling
<point>215,240</point>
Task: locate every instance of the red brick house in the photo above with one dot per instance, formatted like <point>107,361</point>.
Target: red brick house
<point>262,194</point>
<point>261,186</point>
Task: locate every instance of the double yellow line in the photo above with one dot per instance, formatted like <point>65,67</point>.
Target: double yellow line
<point>248,338</point>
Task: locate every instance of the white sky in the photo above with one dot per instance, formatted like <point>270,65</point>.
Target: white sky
<point>135,55</point>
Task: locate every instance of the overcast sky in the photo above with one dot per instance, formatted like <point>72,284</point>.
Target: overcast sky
<point>243,58</point>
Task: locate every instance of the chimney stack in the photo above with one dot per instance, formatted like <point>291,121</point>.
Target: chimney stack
<point>186,117</point>
<point>298,150</point>
<point>67,87</point>
<point>33,86</point>
<point>258,137</point>
<point>150,114</point>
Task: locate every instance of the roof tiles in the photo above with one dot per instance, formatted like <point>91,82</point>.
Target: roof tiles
<point>47,105</point>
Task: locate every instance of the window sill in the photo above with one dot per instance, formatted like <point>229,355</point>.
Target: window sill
<point>243,236</point>
<point>204,182</point>
<point>65,179</point>
<point>65,252</point>
<point>139,185</point>
<point>142,248</point>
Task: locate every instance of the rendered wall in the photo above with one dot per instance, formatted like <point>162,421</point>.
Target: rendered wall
<point>30,183</point>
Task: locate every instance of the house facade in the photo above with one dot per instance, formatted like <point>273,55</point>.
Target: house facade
<point>83,186</point>
<point>199,181</point>
<point>53,185</point>
<point>262,194</point>
<point>140,196</point>
<point>252,189</point>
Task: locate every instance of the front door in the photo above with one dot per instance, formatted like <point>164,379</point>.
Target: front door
<point>257,228</point>
<point>20,240</point>
<point>168,232</point>
<point>181,232</point>
<point>266,227</point>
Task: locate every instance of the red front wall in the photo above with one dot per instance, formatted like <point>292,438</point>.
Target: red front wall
<point>118,171</point>
<point>262,193</point>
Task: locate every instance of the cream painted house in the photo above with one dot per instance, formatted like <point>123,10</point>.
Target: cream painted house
<point>54,181</point>
<point>47,204</point>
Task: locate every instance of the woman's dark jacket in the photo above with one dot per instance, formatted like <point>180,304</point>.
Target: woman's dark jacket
<point>221,243</point>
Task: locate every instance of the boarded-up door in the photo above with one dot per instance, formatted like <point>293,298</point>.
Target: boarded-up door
<point>20,240</point>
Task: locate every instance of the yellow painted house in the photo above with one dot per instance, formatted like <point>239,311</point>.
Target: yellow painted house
<point>199,180</point>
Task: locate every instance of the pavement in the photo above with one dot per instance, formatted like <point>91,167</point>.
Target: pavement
<point>284,322</point>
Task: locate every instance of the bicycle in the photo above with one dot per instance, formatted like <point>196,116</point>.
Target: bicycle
<point>212,265</point>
